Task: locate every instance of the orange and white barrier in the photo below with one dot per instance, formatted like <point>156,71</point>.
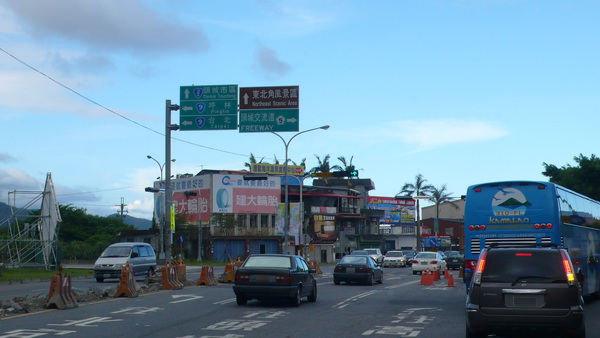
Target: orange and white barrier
<point>128,287</point>
<point>314,265</point>
<point>61,293</point>
<point>169,279</point>
<point>229,274</point>
<point>207,276</point>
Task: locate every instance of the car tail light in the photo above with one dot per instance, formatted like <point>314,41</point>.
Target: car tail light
<point>480,267</point>
<point>338,269</point>
<point>362,269</point>
<point>523,254</point>
<point>242,277</point>
<point>415,262</point>
<point>433,262</point>
<point>568,269</point>
<point>283,279</point>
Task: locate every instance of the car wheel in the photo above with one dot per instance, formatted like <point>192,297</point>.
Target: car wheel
<point>241,300</point>
<point>297,298</point>
<point>371,279</point>
<point>313,296</point>
<point>99,279</point>
<point>336,282</point>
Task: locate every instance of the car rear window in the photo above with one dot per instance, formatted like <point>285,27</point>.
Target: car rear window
<point>512,266</point>
<point>268,262</point>
<point>354,260</point>
<point>394,254</point>
<point>426,255</point>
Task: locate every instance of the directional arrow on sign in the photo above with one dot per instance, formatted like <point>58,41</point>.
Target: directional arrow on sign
<point>292,120</point>
<point>187,93</point>
<point>186,108</point>
<point>246,98</point>
<point>187,298</point>
<point>187,123</point>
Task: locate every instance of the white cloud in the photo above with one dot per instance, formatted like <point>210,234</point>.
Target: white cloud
<point>109,24</point>
<point>269,63</point>
<point>430,134</point>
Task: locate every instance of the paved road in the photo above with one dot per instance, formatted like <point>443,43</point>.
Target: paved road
<point>399,307</point>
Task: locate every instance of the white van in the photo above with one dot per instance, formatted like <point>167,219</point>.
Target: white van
<point>141,258</point>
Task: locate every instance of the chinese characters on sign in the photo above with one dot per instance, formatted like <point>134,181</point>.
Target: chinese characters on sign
<point>397,211</point>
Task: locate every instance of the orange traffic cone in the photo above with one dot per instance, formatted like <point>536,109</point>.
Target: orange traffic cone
<point>436,274</point>
<point>450,280</point>
<point>423,278</point>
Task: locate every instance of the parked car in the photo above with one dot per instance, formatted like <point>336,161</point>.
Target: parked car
<point>140,257</point>
<point>525,290</point>
<point>454,259</point>
<point>394,258</point>
<point>376,254</point>
<point>424,261</point>
<point>275,277</point>
<point>358,269</point>
<point>409,254</point>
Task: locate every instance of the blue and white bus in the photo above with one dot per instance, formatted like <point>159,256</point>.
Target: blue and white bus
<point>519,213</point>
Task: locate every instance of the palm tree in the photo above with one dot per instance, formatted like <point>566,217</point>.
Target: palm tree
<point>347,166</point>
<point>324,165</point>
<point>421,189</point>
<point>439,196</point>
<point>252,161</point>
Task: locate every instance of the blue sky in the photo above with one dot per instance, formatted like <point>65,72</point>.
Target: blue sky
<point>462,92</point>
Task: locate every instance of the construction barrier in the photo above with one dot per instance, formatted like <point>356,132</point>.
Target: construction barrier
<point>460,272</point>
<point>128,287</point>
<point>229,274</point>
<point>315,265</point>
<point>61,293</point>
<point>450,280</point>
<point>207,276</point>
<point>181,271</point>
<point>169,279</point>
<point>238,263</point>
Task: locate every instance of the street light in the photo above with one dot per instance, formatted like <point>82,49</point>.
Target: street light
<point>159,165</point>
<point>286,225</point>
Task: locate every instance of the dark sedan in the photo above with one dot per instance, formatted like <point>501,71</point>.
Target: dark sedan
<point>358,269</point>
<point>454,260</point>
<point>275,277</point>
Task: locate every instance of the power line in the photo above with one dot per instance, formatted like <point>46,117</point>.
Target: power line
<point>112,111</point>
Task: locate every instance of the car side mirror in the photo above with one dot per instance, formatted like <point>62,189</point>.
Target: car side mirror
<point>312,271</point>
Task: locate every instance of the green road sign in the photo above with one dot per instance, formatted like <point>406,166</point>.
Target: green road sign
<point>267,120</point>
<point>211,107</point>
<point>269,109</point>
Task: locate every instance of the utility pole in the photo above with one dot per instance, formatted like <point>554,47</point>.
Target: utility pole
<point>122,206</point>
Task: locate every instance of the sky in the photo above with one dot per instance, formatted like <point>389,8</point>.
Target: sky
<point>459,91</point>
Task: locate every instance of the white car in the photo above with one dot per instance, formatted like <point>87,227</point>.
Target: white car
<point>424,261</point>
<point>394,258</point>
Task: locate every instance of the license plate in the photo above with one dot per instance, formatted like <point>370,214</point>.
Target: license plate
<point>350,270</point>
<point>106,275</point>
<point>424,263</point>
<point>262,278</point>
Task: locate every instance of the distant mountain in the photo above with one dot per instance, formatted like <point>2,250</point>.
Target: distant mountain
<point>138,223</point>
<point>5,213</point>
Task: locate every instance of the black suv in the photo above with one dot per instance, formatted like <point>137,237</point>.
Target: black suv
<point>525,290</point>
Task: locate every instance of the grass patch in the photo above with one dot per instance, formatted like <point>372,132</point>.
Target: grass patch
<point>23,273</point>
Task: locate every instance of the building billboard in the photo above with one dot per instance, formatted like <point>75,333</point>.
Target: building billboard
<point>397,211</point>
<point>190,197</point>
<point>233,194</point>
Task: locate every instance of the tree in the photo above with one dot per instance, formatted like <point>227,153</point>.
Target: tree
<point>347,166</point>
<point>583,178</point>
<point>440,196</point>
<point>252,161</point>
<point>421,189</point>
<point>324,166</point>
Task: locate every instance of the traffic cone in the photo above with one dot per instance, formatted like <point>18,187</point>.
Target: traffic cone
<point>450,280</point>
<point>429,279</point>
<point>424,277</point>
<point>436,274</point>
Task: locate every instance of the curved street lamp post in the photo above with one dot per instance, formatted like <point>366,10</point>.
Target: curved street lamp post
<point>286,225</point>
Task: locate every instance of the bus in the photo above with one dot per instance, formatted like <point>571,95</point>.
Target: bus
<point>524,213</point>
